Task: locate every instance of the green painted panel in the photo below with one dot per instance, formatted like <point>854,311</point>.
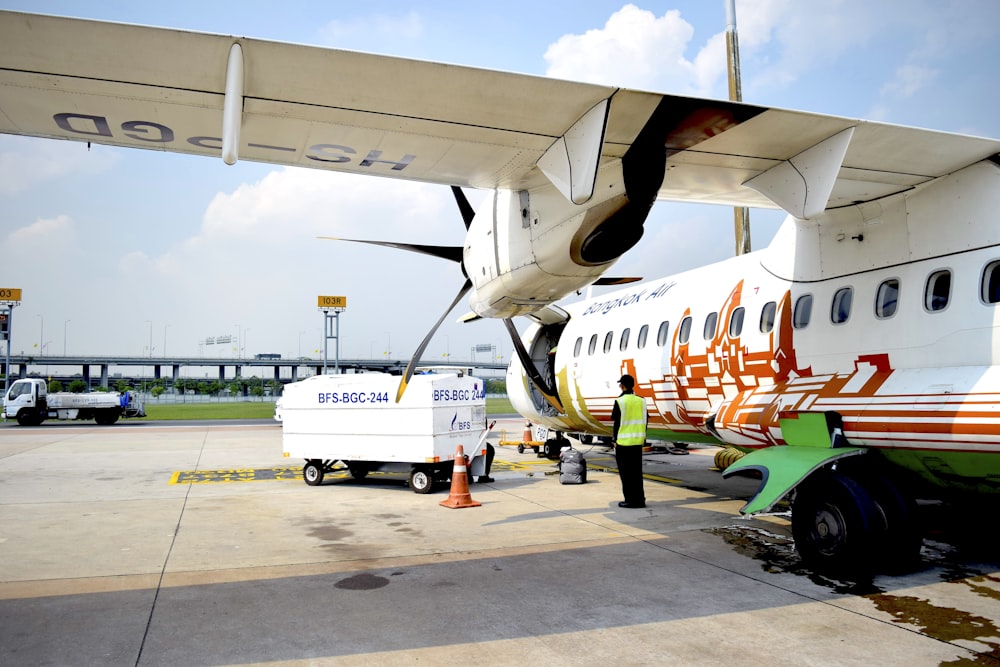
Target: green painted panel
<point>783,468</point>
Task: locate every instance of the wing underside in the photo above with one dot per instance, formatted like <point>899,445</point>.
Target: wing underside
<point>164,89</point>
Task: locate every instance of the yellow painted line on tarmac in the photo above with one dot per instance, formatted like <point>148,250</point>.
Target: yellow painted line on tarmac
<point>282,474</point>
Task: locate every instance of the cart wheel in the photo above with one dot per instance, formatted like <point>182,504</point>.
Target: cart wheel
<point>520,449</point>
<point>421,481</point>
<point>312,473</point>
<point>358,472</point>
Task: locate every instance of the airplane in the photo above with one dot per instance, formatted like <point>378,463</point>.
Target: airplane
<point>855,359</point>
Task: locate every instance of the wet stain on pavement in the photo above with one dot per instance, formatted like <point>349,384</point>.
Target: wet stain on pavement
<point>945,624</point>
<point>362,582</point>
<point>329,533</point>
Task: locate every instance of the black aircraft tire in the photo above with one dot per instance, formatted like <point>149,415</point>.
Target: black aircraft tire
<point>312,473</point>
<point>899,543</point>
<point>835,523</point>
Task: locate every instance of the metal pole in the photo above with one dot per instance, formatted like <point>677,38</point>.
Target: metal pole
<point>326,319</point>
<point>741,215</point>
<point>10,331</point>
<point>336,318</point>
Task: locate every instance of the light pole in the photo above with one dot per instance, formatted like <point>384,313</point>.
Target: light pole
<point>164,352</point>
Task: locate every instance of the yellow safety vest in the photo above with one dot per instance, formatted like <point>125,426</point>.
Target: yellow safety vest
<point>632,429</point>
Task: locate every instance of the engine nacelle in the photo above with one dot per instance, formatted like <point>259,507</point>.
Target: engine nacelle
<point>527,249</point>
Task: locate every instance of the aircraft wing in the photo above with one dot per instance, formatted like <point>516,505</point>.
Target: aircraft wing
<point>288,104</point>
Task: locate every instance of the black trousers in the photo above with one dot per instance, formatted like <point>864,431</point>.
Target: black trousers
<point>629,459</point>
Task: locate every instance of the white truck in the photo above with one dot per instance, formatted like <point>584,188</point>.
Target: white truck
<point>29,402</point>
<point>355,420</point>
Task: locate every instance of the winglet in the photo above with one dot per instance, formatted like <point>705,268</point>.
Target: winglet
<point>571,162</point>
<point>802,184</point>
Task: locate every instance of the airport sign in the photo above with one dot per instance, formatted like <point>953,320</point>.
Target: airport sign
<point>10,294</point>
<point>332,302</point>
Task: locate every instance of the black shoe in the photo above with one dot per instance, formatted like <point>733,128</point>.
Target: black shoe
<point>485,479</point>
<point>631,506</point>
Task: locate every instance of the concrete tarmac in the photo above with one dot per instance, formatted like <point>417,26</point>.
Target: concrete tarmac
<point>151,544</point>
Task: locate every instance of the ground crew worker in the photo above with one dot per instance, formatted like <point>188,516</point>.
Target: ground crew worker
<point>629,435</point>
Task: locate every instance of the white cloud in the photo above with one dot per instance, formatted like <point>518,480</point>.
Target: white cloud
<point>26,162</point>
<point>635,48</point>
<point>909,80</point>
<point>50,232</point>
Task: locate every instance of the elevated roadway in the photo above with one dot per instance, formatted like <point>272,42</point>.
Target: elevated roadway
<point>22,365</point>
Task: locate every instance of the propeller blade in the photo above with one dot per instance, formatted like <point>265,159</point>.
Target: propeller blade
<point>616,281</point>
<point>410,367</point>
<point>464,206</point>
<point>529,367</point>
<point>452,253</point>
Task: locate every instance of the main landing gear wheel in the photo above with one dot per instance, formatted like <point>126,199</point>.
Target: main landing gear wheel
<point>835,522</point>
<point>312,473</point>
<point>421,481</point>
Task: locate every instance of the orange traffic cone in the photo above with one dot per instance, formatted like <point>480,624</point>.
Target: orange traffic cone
<point>459,496</point>
<point>527,433</point>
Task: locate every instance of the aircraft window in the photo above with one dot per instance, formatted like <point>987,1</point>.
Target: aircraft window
<point>711,322</point>
<point>840,310</point>
<point>990,289</point>
<point>803,311</point>
<point>593,344</point>
<point>685,332</point>
<point>937,292</point>
<point>578,347</point>
<point>661,335</point>
<point>643,332</point>
<point>767,316</point>
<point>607,341</point>
<point>624,341</point>
<point>736,323</point>
<point>886,299</point>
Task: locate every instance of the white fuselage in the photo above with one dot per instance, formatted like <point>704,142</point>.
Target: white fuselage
<point>902,338</point>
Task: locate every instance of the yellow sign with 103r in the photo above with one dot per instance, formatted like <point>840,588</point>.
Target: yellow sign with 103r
<point>12,294</point>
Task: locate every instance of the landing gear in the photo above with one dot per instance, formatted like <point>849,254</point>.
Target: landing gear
<point>846,523</point>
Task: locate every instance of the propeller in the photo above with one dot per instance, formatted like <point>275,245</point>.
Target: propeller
<point>454,254</point>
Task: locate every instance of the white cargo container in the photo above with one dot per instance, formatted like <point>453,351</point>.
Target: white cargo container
<point>355,420</point>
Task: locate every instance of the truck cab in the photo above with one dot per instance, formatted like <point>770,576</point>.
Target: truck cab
<point>26,401</point>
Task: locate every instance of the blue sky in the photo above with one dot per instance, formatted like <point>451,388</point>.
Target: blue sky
<point>118,251</point>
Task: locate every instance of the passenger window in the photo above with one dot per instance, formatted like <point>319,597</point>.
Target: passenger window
<point>643,332</point>
<point>989,290</point>
<point>685,332</point>
<point>886,299</point>
<point>607,341</point>
<point>661,335</point>
<point>593,345</point>
<point>711,322</point>
<point>803,311</point>
<point>624,341</point>
<point>578,347</point>
<point>736,323</point>
<point>767,317</point>
<point>937,292</point>
<point>840,309</point>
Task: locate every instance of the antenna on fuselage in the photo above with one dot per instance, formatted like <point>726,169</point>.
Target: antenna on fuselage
<point>741,214</point>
